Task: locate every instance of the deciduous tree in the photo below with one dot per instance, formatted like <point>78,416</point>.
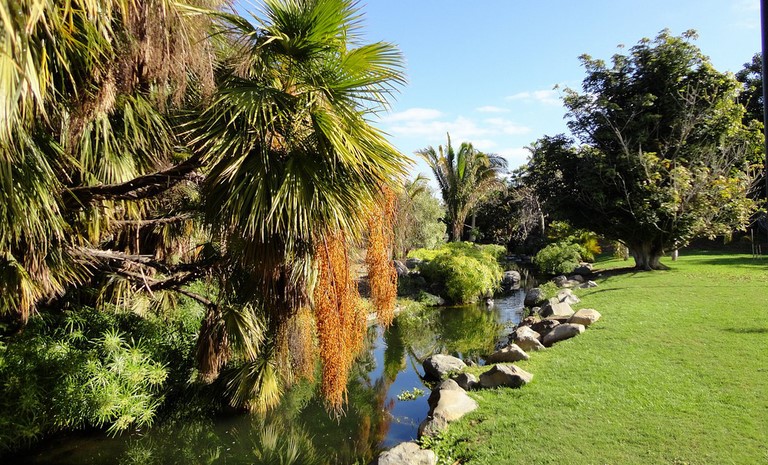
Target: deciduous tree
<point>663,155</point>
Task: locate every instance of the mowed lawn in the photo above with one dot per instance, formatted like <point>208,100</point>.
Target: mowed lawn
<point>675,372</point>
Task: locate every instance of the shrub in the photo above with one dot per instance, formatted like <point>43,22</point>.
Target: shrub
<point>462,270</point>
<point>558,258</point>
<point>89,368</point>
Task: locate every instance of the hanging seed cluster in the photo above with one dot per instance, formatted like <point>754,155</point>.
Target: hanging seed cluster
<point>340,320</point>
<point>381,272</point>
<point>302,343</point>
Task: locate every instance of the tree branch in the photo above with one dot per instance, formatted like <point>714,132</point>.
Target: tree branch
<point>138,188</point>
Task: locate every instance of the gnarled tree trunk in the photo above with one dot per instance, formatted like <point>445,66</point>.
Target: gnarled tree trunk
<point>647,255</point>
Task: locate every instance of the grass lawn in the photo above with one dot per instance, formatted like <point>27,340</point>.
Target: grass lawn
<point>675,372</point>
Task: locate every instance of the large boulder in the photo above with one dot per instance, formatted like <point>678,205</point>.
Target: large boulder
<point>510,281</point>
<point>510,353</point>
<point>505,375</point>
<point>562,332</point>
<point>559,310</point>
<point>567,296</point>
<point>440,365</point>
<point>576,277</point>
<point>527,339</point>
<point>407,453</point>
<point>559,280</point>
<point>533,297</point>
<point>585,316</point>
<point>447,403</point>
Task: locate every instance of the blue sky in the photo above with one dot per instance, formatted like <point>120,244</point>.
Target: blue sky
<point>485,71</point>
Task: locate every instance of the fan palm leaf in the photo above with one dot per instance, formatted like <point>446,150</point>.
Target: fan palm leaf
<point>464,177</point>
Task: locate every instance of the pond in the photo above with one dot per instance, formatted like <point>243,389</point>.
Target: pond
<point>300,431</point>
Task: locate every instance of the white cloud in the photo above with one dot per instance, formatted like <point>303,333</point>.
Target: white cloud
<point>413,114</point>
<point>546,96</point>
<point>516,156</point>
<point>506,126</point>
<point>492,109</point>
<point>482,134</point>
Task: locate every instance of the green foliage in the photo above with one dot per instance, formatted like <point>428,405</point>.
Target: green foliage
<point>558,258</point>
<point>548,290</point>
<point>413,394</point>
<point>751,96</point>
<point>663,156</point>
<point>418,218</point>
<point>588,241</point>
<point>464,271</point>
<point>87,368</point>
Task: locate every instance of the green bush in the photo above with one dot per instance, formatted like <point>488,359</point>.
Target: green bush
<point>461,270</point>
<point>558,258</point>
<point>89,368</point>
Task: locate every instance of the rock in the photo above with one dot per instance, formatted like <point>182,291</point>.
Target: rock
<point>466,381</point>
<point>582,269</point>
<point>510,353</point>
<point>561,309</point>
<point>561,333</point>
<point>447,403</point>
<point>400,267</point>
<point>559,280</point>
<point>510,281</point>
<point>505,375</point>
<point>588,285</point>
<point>567,295</point>
<point>412,263</point>
<point>585,316</point>
<point>527,339</point>
<point>407,453</point>
<point>543,327</point>
<point>530,344</point>
<point>438,366</point>
<point>576,277</point>
<point>531,319</point>
<point>533,297</point>
<point>525,332</point>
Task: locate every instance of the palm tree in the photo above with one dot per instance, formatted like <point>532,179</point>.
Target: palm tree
<point>465,178</point>
<point>89,89</point>
<point>147,145</point>
<point>295,163</point>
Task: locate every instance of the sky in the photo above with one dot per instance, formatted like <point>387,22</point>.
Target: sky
<point>486,71</point>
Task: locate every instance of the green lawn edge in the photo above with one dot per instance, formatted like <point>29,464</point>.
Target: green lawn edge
<point>676,372</point>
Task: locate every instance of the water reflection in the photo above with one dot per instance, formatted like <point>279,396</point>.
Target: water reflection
<point>300,431</point>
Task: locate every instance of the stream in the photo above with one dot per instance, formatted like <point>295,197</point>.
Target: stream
<point>300,431</point>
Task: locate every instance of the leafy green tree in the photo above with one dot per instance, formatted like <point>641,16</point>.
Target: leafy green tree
<point>148,147</point>
<point>664,156</point>
<point>465,177</point>
<point>418,219</point>
<point>751,79</point>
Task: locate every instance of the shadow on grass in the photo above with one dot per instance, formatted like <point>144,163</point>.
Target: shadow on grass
<point>741,261</point>
<point>747,330</point>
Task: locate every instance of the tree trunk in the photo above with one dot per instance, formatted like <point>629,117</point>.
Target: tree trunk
<point>647,256</point>
<point>472,237</point>
<point>457,227</point>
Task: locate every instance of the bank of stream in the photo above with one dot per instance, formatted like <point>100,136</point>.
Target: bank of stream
<point>379,414</point>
